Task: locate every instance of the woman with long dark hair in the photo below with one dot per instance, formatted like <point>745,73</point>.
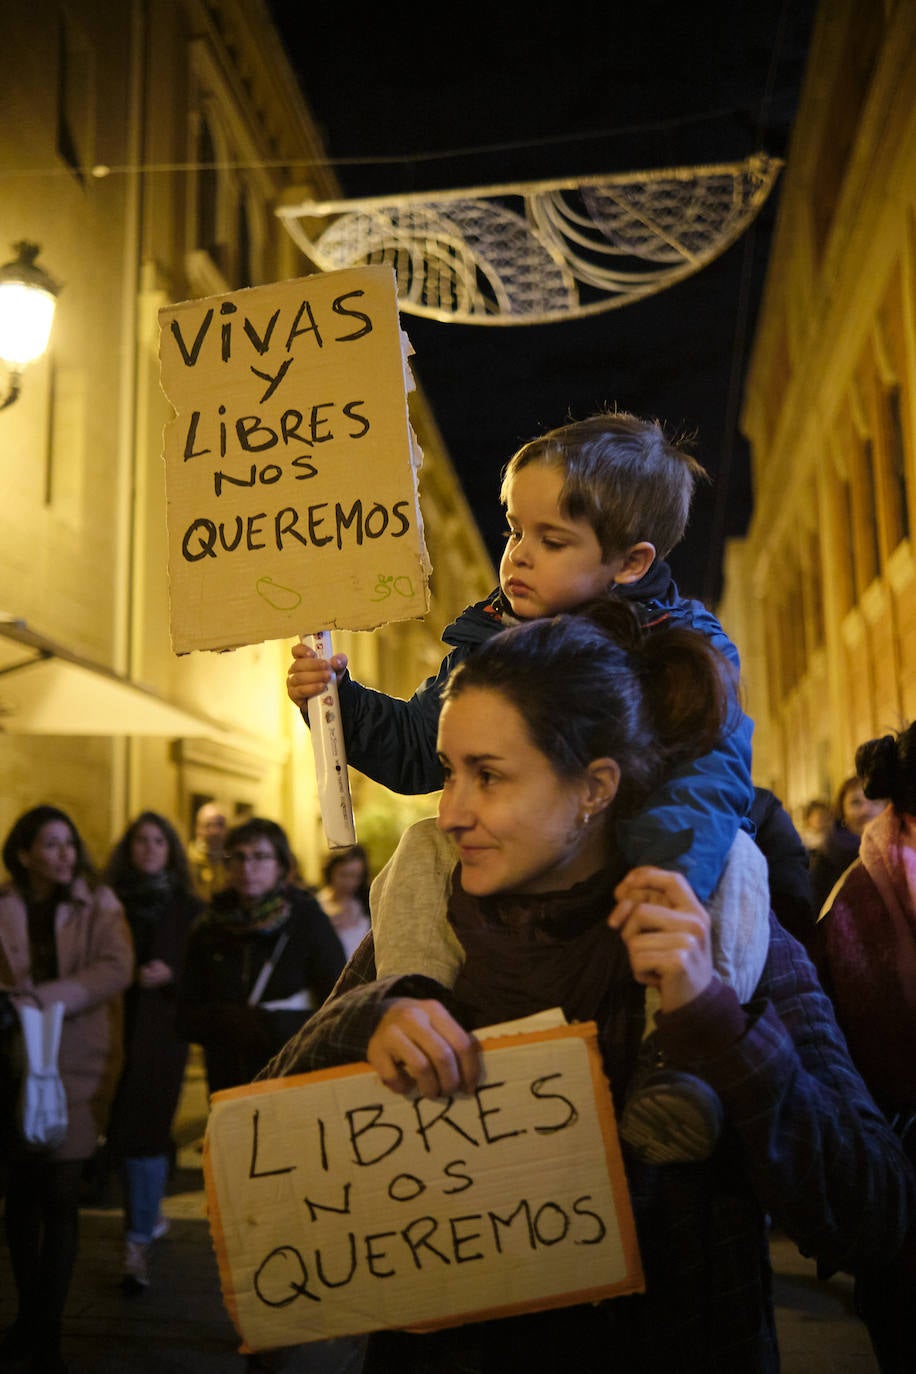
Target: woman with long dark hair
<point>552,734</point>
<point>344,894</point>
<point>63,938</point>
<point>866,953</point>
<point>148,870</point>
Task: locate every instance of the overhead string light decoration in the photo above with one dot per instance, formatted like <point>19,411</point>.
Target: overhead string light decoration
<point>541,251</point>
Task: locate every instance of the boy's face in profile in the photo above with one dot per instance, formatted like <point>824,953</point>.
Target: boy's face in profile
<point>551,563</point>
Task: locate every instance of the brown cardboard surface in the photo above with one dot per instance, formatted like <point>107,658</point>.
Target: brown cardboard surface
<point>337,1207</point>
<point>291,466</point>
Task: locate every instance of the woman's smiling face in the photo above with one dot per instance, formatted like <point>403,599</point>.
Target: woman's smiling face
<point>517,824</point>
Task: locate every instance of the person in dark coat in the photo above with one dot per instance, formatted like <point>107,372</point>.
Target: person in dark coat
<point>787,865</point>
<point>261,958</point>
<point>149,871</point>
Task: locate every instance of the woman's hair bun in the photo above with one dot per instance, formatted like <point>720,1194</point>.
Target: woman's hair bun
<point>876,766</point>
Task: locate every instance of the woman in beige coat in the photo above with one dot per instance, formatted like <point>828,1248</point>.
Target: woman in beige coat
<point>64,939</point>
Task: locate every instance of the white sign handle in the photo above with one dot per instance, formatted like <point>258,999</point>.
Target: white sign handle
<point>330,754</point>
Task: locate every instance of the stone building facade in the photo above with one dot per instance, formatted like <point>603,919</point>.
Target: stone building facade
<point>821,594</point>
<point>145,147</point>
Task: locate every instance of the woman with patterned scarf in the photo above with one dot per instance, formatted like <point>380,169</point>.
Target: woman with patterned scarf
<point>261,958</point>
<point>149,871</point>
<point>866,956</point>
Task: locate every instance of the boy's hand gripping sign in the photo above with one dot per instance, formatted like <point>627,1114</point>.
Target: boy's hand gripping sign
<point>337,1207</point>
<point>291,467</point>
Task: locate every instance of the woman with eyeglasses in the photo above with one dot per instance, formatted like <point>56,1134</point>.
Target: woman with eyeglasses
<point>260,960</point>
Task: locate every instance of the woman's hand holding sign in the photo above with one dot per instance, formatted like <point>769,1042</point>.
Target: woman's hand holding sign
<point>419,1045</point>
<point>666,932</point>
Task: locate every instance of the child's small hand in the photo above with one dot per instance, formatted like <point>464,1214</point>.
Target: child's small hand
<point>666,932</point>
<point>309,675</point>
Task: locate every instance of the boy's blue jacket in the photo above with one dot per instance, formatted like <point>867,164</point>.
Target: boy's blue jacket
<point>688,824</point>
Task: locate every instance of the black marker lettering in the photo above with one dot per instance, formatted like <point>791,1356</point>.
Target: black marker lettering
<point>442,1114</point>
<point>339,1283</point>
<point>191,358</point>
<point>451,1170</point>
<point>253,1171</point>
<point>261,344</point>
<point>427,1227</point>
<point>353,414</point>
<point>373,1256</point>
<point>220,477</point>
<point>192,435</point>
<point>317,420</point>
<point>227,308</point>
<point>248,425</point>
<point>339,308</point>
<point>252,531</point>
<point>492,1111</point>
<point>496,1221</point>
<point>398,1192</point>
<point>458,1241</point>
<point>280,528</point>
<point>316,1207</point>
<point>376,1111</point>
<point>540,1224</point>
<point>310,328</point>
<point>587,1212</point>
<point>572,1116</point>
<point>397,511</point>
<point>206,533</point>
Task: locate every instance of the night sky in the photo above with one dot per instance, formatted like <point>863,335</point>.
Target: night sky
<point>571,91</point>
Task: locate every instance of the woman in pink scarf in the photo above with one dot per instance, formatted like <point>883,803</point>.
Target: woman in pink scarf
<point>866,956</point>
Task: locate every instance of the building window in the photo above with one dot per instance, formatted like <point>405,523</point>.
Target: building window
<point>814,591</point>
<point>900,506</point>
<point>868,523</point>
<point>852,581</point>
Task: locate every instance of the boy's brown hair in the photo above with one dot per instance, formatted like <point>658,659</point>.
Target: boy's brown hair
<point>622,474</point>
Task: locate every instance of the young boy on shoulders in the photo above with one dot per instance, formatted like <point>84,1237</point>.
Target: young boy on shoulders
<point>593,508</point>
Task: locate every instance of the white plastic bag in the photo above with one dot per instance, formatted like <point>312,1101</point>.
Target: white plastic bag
<point>41,1112</point>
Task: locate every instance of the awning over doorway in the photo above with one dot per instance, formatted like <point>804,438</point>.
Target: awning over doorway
<point>47,690</point>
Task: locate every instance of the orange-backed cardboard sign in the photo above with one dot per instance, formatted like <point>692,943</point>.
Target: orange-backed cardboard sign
<point>291,466</point>
<point>337,1207</point>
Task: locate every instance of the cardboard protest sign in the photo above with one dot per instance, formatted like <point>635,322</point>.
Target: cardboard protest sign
<point>291,467</point>
<point>338,1207</point>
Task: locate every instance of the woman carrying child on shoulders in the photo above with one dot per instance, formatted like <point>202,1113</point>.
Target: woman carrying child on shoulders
<point>533,800</point>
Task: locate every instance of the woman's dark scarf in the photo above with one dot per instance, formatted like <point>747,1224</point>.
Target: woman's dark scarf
<point>527,953</point>
<point>145,898</point>
<point>265,917</point>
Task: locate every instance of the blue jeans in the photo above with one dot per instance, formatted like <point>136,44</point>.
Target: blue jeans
<point>144,1188</point>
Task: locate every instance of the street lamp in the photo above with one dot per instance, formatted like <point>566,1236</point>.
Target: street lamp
<point>27,300</point>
